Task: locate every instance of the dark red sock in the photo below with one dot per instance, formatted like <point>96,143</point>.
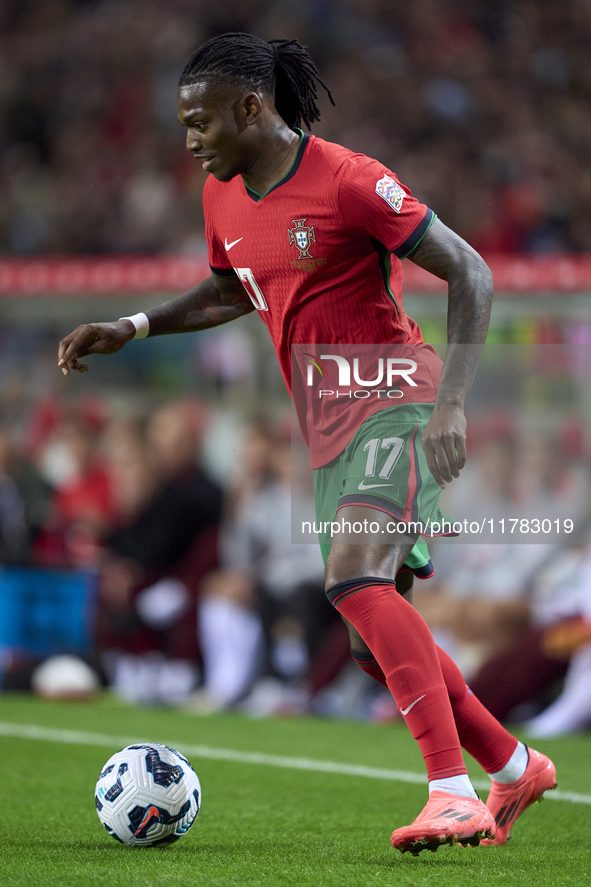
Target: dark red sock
<point>480,733</point>
<point>367,663</point>
<point>405,650</point>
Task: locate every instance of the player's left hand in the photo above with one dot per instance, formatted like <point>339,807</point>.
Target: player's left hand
<point>444,443</point>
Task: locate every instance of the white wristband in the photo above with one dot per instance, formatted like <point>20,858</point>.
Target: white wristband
<point>141,324</point>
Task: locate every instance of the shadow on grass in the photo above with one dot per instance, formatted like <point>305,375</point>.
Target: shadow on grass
<point>444,857</point>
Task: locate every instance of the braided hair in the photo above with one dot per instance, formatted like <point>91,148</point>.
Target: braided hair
<point>281,69</point>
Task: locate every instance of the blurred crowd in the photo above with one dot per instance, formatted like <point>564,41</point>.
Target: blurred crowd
<point>481,106</point>
<point>202,600</point>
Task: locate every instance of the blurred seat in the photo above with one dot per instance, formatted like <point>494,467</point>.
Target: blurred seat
<point>46,611</point>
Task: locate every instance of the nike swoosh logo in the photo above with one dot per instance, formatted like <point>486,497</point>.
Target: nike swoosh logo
<point>364,486</point>
<point>405,711</point>
<point>152,813</point>
<point>234,242</point>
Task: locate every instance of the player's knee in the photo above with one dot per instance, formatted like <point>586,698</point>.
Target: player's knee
<point>357,643</point>
<point>346,562</point>
<point>340,591</point>
<point>346,566</point>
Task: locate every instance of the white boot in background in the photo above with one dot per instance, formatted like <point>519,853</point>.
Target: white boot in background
<point>177,679</point>
<point>231,639</point>
<point>572,710</point>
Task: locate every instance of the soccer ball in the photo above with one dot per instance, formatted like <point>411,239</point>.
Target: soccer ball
<point>65,677</point>
<point>147,795</point>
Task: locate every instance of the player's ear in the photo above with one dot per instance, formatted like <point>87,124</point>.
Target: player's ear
<point>251,107</point>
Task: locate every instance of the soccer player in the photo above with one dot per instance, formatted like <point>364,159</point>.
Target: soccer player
<point>311,236</point>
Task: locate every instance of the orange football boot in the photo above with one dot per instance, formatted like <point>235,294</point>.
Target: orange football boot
<point>508,800</point>
<point>446,819</point>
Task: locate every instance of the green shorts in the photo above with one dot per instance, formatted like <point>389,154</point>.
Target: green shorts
<point>384,467</point>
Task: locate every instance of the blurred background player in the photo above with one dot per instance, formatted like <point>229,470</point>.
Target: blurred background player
<point>156,555</point>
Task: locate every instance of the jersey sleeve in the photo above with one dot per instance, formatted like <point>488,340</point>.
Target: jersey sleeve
<point>216,253</point>
<point>374,202</point>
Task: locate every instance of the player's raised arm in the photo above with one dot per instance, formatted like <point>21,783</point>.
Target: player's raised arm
<point>214,301</point>
<point>470,292</point>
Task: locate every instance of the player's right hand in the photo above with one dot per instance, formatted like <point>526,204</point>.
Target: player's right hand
<point>92,338</point>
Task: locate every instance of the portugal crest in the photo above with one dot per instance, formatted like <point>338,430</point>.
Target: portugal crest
<point>302,236</point>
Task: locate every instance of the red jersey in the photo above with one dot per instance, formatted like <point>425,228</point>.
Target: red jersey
<point>319,254</point>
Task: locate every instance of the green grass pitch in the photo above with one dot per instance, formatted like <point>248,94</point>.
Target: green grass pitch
<point>262,824</point>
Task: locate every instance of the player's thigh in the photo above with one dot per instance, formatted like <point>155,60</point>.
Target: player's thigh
<point>367,543</point>
<point>368,499</point>
<point>384,468</point>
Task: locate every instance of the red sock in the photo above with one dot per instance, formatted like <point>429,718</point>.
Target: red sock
<point>480,733</point>
<point>405,650</point>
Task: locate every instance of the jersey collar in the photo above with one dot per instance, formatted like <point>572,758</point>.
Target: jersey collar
<point>304,136</point>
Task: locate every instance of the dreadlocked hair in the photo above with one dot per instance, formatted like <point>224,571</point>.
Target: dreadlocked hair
<point>282,69</point>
